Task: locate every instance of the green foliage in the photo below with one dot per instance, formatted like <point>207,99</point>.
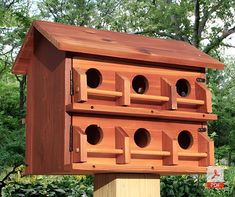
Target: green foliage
<point>58,186</point>
<point>171,186</point>
<point>194,186</point>
<point>12,138</point>
<point>222,85</point>
<point>181,186</point>
<point>160,18</point>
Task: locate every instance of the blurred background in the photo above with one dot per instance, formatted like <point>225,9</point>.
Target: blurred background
<point>208,25</point>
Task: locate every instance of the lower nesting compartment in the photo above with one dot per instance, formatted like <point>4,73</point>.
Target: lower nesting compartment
<point>117,144</point>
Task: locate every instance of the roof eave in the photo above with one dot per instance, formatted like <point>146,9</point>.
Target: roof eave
<point>23,58</point>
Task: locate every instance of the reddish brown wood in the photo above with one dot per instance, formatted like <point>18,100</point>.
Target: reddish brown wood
<point>139,123</point>
<point>113,44</point>
<point>29,124</point>
<point>79,145</point>
<point>204,94</point>
<point>206,145</point>
<point>80,86</point>
<point>67,101</point>
<point>161,91</point>
<point>46,114</point>
<point>122,142</point>
<point>123,85</point>
<point>170,144</point>
<point>86,168</point>
<point>139,112</point>
<point>24,57</point>
<point>158,153</point>
<point>168,90</point>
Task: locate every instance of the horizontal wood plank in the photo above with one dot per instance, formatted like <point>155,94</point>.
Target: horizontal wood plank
<point>162,170</point>
<point>143,97</point>
<point>139,112</point>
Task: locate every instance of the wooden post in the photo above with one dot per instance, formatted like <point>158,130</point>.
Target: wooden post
<point>126,185</point>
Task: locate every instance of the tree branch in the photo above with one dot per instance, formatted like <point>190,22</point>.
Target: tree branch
<point>228,45</point>
<point>219,39</point>
<point>2,182</point>
<point>196,23</point>
<point>205,17</point>
<point>18,78</point>
<point>156,32</point>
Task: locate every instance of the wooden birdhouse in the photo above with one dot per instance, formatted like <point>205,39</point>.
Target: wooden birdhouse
<point>101,101</point>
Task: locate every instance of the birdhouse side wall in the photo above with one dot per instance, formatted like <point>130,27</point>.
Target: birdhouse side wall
<point>46,116</point>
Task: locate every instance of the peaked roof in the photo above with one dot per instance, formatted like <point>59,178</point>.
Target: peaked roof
<point>113,44</point>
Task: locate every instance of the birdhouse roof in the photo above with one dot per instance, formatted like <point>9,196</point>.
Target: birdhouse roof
<point>113,44</point>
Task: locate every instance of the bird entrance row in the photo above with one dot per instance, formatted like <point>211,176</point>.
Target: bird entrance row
<point>140,83</point>
<point>142,137</point>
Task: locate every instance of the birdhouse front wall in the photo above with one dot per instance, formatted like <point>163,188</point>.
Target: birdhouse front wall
<point>132,117</point>
<point>139,86</point>
<point>104,143</point>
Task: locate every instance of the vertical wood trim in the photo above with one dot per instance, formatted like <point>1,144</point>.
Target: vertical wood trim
<point>122,142</point>
<point>80,85</point>
<point>206,145</point>
<point>202,93</point>
<point>170,143</point>
<point>29,123</point>
<point>123,85</point>
<point>167,89</point>
<point>68,100</point>
<point>79,145</point>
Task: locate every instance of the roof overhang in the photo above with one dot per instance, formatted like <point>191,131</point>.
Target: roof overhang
<point>113,44</point>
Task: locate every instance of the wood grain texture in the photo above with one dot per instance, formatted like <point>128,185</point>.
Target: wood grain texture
<point>116,45</point>
<point>170,144</point>
<point>47,123</point>
<point>80,143</point>
<point>122,141</point>
<point>139,112</point>
<point>67,101</point>
<point>24,57</point>
<point>167,89</point>
<point>52,51</point>
<point>29,123</point>
<point>85,168</point>
<point>204,94</point>
<point>123,85</point>
<point>126,185</point>
<point>117,84</point>
<point>80,85</point>
<point>206,145</point>
<point>118,150</point>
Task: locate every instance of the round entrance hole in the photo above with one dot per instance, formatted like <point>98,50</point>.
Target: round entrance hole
<point>94,78</point>
<point>183,87</point>
<point>185,139</point>
<point>94,134</point>
<point>140,84</point>
<point>142,137</point>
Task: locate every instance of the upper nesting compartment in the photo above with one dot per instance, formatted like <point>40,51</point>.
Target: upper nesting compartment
<point>115,45</point>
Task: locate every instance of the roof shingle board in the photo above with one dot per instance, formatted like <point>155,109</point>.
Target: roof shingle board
<point>114,44</point>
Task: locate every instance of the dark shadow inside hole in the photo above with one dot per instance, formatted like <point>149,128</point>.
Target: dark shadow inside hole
<point>183,87</point>
<point>140,84</point>
<point>142,137</point>
<point>94,78</point>
<point>185,139</point>
<point>94,134</point>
